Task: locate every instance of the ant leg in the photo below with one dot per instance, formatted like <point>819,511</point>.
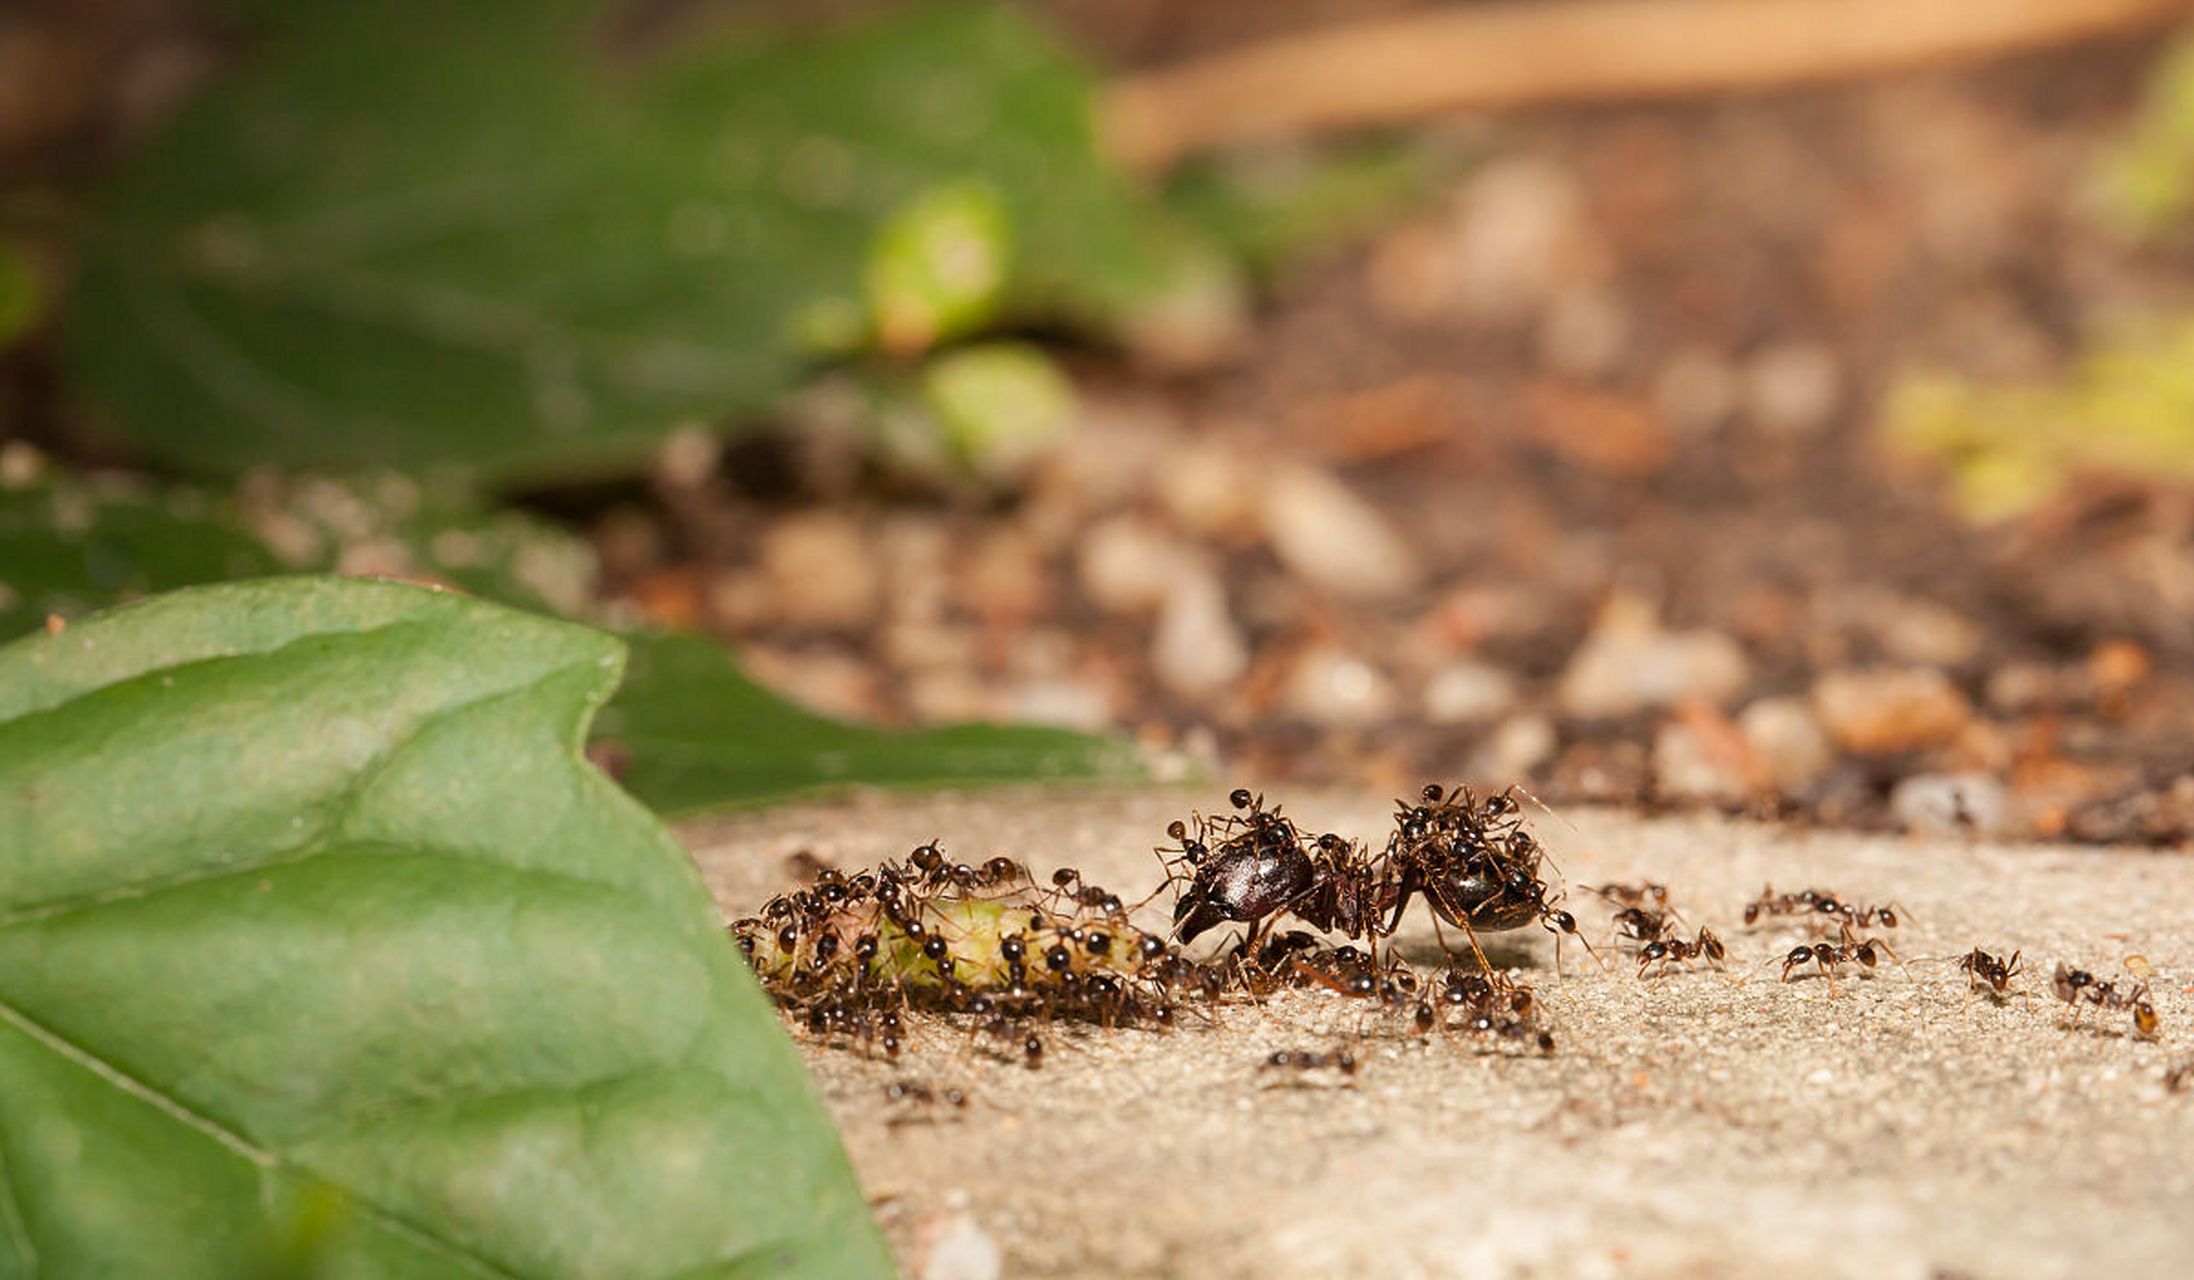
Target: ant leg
<point>1470,935</point>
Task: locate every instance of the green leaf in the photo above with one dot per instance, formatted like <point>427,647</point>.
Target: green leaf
<point>321,949</point>
<point>449,237</point>
<point>699,735</point>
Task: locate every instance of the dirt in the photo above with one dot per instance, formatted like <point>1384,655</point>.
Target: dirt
<point>1705,1123</point>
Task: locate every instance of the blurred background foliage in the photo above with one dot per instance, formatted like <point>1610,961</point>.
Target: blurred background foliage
<point>588,307</point>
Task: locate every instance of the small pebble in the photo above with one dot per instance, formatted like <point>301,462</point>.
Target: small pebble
<point>1328,536</point>
<point>1787,743</point>
<point>819,572</point>
<point>1517,747</point>
<point>1886,710</point>
<point>1328,686</point>
<point>960,1250</point>
<point>1467,692</point>
<point>1686,765</point>
<point>1629,664</point>
<point>1197,648</point>
<point>1793,389</point>
<point>1951,804</point>
<point>1127,565</point>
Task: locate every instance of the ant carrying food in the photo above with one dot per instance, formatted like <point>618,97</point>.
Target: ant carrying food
<point>2076,985</point>
<point>1476,867</point>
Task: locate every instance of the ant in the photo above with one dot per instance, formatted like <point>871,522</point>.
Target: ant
<point>1305,1061</point>
<point>1476,867</point>
<point>1633,895</point>
<point>1828,955</point>
<point>1989,971</point>
<point>2074,985</point>
<point>1639,924</point>
<point>1256,871</point>
<point>1819,902</point>
<point>2179,1073</point>
<point>916,1098</point>
<point>1671,951</point>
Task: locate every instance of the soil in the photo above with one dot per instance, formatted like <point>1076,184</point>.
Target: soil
<point>1702,1123</point>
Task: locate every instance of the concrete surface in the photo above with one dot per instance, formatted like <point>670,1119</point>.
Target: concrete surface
<point>1700,1125</point>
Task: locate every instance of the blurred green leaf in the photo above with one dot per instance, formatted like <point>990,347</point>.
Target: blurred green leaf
<point>372,974</point>
<point>442,236</point>
<point>1269,204</point>
<point>2126,409</point>
<point>998,406</point>
<point>18,292</point>
<point>700,735</point>
<point>2144,182</point>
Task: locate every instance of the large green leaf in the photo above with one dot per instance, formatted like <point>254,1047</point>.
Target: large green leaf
<point>322,949</point>
<point>699,735</point>
<point>423,234</point>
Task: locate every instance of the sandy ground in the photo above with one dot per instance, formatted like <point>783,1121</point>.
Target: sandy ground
<point>1703,1124</point>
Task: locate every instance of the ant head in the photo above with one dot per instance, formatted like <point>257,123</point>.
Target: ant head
<point>1240,798</point>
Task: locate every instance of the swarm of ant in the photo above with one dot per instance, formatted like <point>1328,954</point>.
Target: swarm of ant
<point>851,955</point>
<point>1001,959</point>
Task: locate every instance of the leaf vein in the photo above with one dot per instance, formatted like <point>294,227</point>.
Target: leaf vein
<point>236,1143</point>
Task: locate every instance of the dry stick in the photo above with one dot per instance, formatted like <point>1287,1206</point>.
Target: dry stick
<point>1520,53</point>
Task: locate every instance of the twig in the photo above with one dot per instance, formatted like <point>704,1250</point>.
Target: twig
<point>1518,53</point>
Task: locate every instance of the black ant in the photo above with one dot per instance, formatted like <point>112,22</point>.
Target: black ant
<point>1475,865</point>
<point>1306,1060</point>
<point>1257,870</point>
<point>1633,895</point>
<point>1671,951</point>
<point>2074,985</point>
<point>1983,970</point>
<point>1819,902</point>
<point>1828,955</point>
<point>917,1099</point>
<point>1639,924</point>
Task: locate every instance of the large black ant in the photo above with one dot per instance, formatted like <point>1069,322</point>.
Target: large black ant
<point>1475,865</point>
<point>1256,870</point>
